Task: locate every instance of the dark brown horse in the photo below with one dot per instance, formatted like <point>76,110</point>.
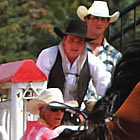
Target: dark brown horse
<point>120,105</point>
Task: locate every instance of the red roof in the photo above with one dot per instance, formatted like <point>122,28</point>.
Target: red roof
<point>21,71</point>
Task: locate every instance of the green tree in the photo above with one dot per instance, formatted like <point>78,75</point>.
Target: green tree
<point>23,25</point>
<point>26,26</point>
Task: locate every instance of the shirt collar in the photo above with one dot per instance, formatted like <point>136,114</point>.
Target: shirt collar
<point>44,122</point>
<point>105,46</point>
<point>79,61</point>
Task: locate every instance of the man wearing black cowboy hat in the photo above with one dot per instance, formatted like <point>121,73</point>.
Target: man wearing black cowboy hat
<point>69,66</point>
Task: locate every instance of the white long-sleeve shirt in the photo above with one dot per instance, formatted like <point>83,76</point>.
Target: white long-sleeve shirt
<point>98,71</point>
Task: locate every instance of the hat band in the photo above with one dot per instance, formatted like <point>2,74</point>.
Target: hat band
<point>99,14</point>
<point>55,109</point>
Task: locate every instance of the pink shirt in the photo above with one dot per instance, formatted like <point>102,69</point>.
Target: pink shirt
<point>38,131</point>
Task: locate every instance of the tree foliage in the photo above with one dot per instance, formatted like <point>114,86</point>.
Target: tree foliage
<point>23,28</point>
<point>26,26</point>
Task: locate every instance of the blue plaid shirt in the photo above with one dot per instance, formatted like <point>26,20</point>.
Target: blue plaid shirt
<point>110,57</point>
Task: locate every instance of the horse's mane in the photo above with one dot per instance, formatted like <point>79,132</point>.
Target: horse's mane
<point>125,75</point>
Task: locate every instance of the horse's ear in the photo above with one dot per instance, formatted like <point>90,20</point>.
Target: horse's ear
<point>130,108</point>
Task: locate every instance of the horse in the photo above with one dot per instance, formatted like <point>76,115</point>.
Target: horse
<point>129,118</point>
<point>110,118</point>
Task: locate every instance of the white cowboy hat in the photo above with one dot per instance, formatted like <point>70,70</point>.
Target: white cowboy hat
<point>52,97</point>
<point>99,9</point>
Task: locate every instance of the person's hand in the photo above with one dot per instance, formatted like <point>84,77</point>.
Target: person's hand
<point>81,118</point>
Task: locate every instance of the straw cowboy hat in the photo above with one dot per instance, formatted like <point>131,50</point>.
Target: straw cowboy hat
<point>75,27</point>
<point>99,9</point>
<point>52,97</point>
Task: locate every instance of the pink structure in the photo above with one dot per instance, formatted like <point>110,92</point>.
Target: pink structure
<point>20,78</point>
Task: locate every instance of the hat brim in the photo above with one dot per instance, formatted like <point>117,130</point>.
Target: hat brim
<point>114,17</point>
<point>62,34</point>
<point>34,105</point>
<point>82,12</point>
<point>75,128</point>
<point>69,104</point>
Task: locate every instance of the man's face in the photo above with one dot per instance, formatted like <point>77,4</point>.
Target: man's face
<point>73,46</point>
<point>96,26</point>
<point>53,116</point>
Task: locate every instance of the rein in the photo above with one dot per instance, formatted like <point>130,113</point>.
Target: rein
<point>115,120</point>
<point>121,128</point>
